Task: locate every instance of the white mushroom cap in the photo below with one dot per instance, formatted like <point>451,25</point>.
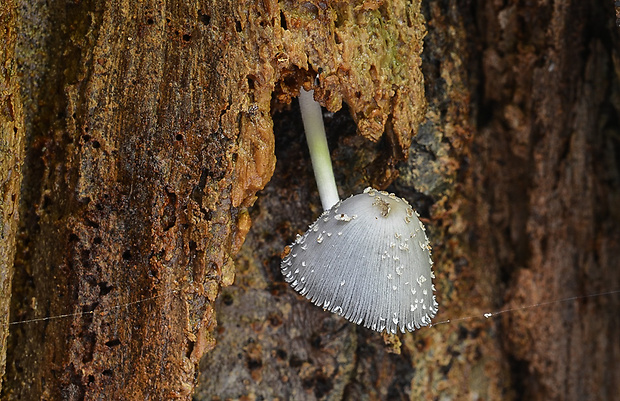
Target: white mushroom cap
<point>367,259</point>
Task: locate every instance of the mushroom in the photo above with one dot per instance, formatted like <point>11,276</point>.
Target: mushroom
<point>366,258</point>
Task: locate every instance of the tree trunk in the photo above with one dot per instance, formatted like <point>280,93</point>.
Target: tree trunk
<point>141,159</point>
<point>507,149</point>
<point>11,158</point>
<point>550,101</point>
<point>150,127</point>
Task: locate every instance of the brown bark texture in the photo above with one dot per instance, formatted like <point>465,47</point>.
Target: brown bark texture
<point>516,168</point>
<point>552,207</point>
<point>286,348</point>
<point>149,134</point>
<point>11,158</point>
<point>151,126</point>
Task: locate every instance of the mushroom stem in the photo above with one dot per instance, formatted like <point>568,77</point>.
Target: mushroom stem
<point>319,152</point>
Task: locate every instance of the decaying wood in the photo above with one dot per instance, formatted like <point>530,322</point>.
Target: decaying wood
<point>552,205</point>
<point>288,348</point>
<point>11,158</point>
<point>149,134</point>
<point>488,184</point>
<point>151,127</point>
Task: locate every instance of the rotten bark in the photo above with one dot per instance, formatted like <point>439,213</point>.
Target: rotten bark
<point>151,126</point>
<point>551,90</point>
<point>517,170</point>
<point>132,195</point>
<point>11,158</point>
<point>288,348</point>
<point>150,132</point>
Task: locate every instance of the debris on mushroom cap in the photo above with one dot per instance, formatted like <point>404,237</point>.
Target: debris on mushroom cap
<point>367,259</point>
